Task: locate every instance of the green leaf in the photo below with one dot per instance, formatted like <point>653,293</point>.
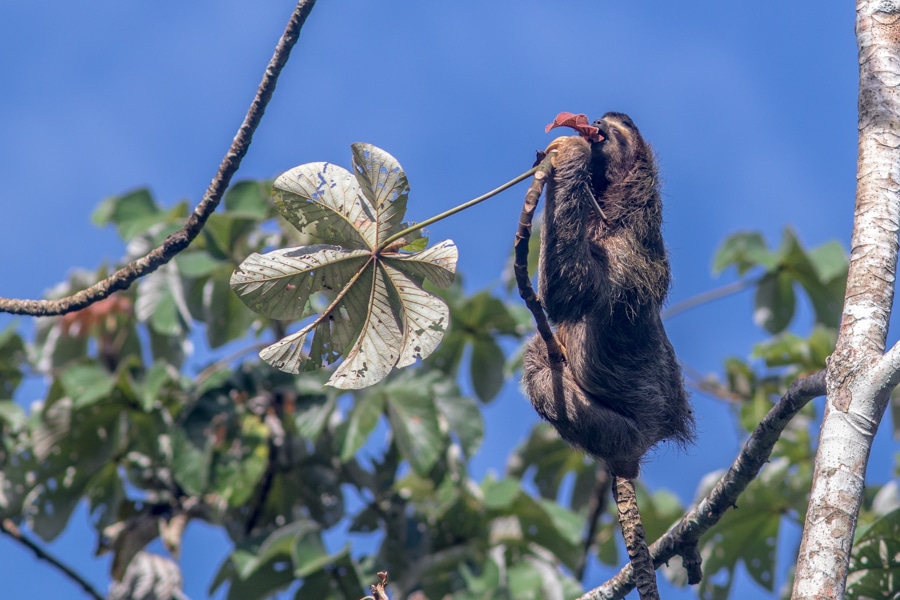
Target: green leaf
<point>744,250</point>
<point>250,197</point>
<point>499,495</point>
<point>309,555</point>
<point>313,413</point>
<point>753,411</point>
<point>363,418</point>
<point>12,414</point>
<point>658,511</point>
<point>551,456</point>
<point>566,523</point>
<point>829,261</point>
<point>875,559</point>
<point>379,317</point>
<point>201,427</point>
<point>413,419</point>
<point>223,230</point>
<point>238,470</point>
<point>70,447</point>
<point>317,585</point>
<point>464,417</point>
<point>12,356</point>
<point>156,378</point>
<point>226,317</point>
<point>132,213</point>
<point>821,344</point>
<point>196,263</point>
<point>775,302</point>
<point>191,460</point>
<point>487,368</point>
<point>826,295</point>
<point>161,302</point>
<point>526,582</point>
<point>784,349</point>
<point>740,377</point>
<point>548,524</point>
<point>168,349</point>
<point>87,384</point>
<point>416,245</point>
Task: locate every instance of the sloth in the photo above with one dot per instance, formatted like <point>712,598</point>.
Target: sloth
<point>603,278</point>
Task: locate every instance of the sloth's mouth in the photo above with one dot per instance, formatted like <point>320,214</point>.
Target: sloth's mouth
<point>602,129</point>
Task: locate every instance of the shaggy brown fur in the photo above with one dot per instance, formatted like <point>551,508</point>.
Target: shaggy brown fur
<point>602,282</point>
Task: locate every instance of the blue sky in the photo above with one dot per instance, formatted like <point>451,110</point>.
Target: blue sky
<point>751,108</point>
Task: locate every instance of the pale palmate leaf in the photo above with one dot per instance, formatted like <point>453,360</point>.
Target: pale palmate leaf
<point>376,315</point>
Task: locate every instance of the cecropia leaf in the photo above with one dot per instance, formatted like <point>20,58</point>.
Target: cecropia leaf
<point>354,210</point>
<point>377,316</point>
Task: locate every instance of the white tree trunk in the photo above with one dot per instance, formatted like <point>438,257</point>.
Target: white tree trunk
<point>860,376</point>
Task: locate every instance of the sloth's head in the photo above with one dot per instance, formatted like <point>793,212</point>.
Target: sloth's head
<point>616,154</point>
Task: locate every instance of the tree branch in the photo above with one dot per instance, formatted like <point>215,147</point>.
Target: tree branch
<point>682,538</point>
<point>635,539</point>
<point>858,371</point>
<point>178,241</point>
<point>13,531</point>
<point>710,296</point>
<point>886,374</point>
<point>520,267</point>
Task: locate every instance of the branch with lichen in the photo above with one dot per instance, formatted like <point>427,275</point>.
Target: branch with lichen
<point>181,239</point>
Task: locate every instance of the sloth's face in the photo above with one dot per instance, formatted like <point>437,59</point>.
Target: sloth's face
<point>614,155</point>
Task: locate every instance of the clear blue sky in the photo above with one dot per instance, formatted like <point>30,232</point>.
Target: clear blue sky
<point>750,106</point>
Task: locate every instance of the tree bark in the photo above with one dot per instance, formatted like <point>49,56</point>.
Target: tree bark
<point>859,376</point>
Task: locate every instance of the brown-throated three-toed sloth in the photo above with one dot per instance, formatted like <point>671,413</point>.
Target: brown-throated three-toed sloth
<point>603,278</point>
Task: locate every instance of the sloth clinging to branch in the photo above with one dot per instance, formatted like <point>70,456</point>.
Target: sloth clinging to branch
<point>603,278</point>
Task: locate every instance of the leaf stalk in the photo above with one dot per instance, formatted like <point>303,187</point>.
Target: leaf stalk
<point>455,210</point>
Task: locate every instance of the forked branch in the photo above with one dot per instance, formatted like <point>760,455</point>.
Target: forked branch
<point>682,537</point>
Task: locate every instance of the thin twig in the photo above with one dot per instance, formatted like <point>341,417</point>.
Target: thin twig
<point>520,267</point>
<point>178,241</point>
<point>682,538</point>
<point>596,508</point>
<point>13,531</point>
<point>696,380</point>
<point>710,296</point>
<point>635,539</point>
<point>223,363</point>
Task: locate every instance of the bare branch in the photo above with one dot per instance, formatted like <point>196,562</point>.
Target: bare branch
<point>13,531</point>
<point>635,540</point>
<point>682,538</point>
<point>710,296</point>
<point>178,241</point>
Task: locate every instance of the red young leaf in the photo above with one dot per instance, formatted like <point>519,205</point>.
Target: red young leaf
<point>577,122</point>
